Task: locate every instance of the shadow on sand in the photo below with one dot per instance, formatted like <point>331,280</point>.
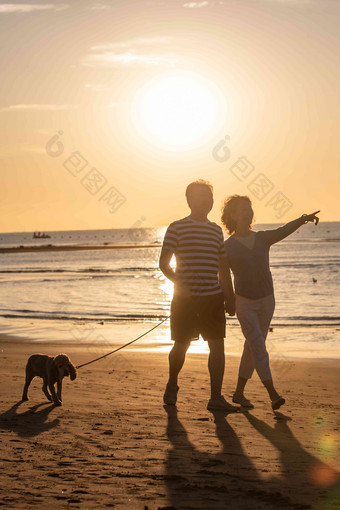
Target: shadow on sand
<point>30,423</point>
<point>303,473</point>
<point>229,479</point>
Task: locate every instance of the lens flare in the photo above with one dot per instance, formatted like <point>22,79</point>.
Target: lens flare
<point>323,475</point>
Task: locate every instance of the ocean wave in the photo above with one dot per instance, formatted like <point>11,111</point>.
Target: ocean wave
<point>327,263</point>
<point>101,271</point>
<point>312,241</point>
<point>21,314</point>
<point>306,321</point>
<point>87,270</point>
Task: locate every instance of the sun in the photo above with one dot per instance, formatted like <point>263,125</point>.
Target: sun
<point>178,109</point>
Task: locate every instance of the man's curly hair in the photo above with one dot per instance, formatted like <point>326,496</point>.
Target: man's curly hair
<point>229,206</point>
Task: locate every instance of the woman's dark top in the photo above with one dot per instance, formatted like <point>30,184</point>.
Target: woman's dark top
<point>250,267</point>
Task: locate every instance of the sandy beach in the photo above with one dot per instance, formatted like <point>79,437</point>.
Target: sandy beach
<point>114,444</point>
<point>152,152</point>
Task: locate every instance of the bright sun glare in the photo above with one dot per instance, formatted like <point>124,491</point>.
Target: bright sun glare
<point>178,109</point>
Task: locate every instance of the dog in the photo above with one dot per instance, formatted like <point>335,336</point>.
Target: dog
<point>52,370</point>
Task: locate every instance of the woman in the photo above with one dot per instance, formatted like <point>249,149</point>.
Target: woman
<point>248,255</point>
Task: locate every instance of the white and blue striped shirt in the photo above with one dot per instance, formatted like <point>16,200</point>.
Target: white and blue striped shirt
<point>197,247</point>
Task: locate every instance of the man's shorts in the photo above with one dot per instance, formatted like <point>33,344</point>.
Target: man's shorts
<point>191,316</point>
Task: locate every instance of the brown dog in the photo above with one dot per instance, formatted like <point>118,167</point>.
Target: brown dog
<point>52,370</point>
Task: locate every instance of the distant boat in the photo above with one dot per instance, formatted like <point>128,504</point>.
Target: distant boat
<point>41,235</point>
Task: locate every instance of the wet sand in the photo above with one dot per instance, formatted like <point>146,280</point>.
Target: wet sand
<point>114,444</point>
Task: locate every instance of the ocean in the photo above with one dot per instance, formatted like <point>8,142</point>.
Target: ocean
<point>126,286</point>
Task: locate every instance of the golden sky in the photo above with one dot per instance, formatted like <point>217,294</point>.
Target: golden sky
<point>110,109</point>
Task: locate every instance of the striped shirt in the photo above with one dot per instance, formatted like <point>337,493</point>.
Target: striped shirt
<point>197,247</point>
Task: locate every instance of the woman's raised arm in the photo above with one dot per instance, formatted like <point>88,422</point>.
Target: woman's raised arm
<point>277,234</point>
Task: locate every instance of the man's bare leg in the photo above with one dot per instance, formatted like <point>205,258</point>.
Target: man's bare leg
<point>216,364</point>
<point>176,361</point>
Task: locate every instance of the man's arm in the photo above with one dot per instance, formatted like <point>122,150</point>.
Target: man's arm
<point>164,264</point>
<point>226,284</point>
<point>169,247</point>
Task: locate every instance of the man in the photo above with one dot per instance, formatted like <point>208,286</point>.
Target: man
<point>202,283</point>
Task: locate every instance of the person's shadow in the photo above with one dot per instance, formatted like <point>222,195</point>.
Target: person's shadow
<point>29,423</point>
<point>228,479</point>
<point>305,476</point>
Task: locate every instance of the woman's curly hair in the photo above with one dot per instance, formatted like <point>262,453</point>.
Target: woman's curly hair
<point>229,206</point>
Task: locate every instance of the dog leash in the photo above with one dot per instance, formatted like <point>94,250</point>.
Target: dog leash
<point>122,347</point>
